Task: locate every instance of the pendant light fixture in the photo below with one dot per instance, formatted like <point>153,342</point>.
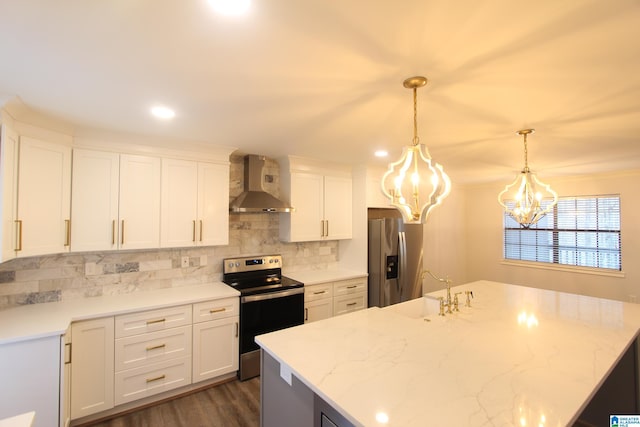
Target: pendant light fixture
<point>415,184</point>
<point>527,199</point>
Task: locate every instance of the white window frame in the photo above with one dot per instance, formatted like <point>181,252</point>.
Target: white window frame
<point>583,219</point>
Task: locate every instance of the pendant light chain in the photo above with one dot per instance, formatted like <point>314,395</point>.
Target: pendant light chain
<point>416,140</point>
<point>526,154</point>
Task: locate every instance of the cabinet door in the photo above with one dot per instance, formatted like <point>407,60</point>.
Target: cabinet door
<point>44,196</point>
<point>338,207</point>
<point>213,204</point>
<point>92,359</point>
<point>8,147</point>
<point>179,203</point>
<point>215,348</point>
<point>307,199</point>
<point>94,208</point>
<point>318,310</point>
<point>139,208</point>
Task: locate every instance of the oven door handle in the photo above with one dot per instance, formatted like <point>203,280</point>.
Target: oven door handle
<point>272,295</point>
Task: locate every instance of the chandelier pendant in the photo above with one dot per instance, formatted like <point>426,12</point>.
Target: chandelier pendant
<point>415,184</point>
<point>527,199</point>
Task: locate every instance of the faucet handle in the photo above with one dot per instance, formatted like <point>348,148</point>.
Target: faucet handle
<point>455,301</point>
<point>469,295</point>
<point>441,313</point>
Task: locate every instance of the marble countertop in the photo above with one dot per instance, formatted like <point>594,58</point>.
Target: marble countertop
<point>49,319</point>
<point>517,355</point>
<point>313,277</point>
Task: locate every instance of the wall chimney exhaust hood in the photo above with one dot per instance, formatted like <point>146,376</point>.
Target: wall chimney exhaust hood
<point>254,198</point>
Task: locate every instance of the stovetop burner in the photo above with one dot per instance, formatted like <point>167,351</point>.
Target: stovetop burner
<point>255,275</point>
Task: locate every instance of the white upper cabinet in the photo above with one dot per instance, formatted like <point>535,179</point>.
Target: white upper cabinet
<point>116,201</point>
<point>94,208</point>
<point>322,199</point>
<point>44,196</point>
<point>139,208</point>
<point>8,153</point>
<point>195,198</point>
<point>213,204</point>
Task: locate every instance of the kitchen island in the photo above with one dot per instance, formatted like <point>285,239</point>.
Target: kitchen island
<point>518,356</point>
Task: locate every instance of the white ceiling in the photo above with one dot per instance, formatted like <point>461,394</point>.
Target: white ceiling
<point>323,78</point>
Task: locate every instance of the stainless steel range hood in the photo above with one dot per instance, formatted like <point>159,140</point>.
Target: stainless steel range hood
<point>254,198</point>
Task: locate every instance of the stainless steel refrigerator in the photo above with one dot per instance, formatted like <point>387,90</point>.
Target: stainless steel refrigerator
<point>395,261</point>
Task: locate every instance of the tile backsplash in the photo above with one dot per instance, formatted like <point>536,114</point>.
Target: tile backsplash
<point>79,275</point>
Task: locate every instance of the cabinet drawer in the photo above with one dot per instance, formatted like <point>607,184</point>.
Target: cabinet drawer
<point>348,303</point>
<point>152,320</point>
<point>346,287</point>
<point>216,309</point>
<point>316,292</point>
<point>153,347</point>
<point>145,381</point>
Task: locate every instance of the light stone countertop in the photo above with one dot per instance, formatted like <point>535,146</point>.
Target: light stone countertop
<point>53,318</point>
<point>517,355</point>
<point>314,277</point>
<point>23,420</point>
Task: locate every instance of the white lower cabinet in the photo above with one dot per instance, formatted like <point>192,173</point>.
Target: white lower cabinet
<point>324,300</point>
<point>92,343</point>
<point>318,302</point>
<point>215,338</point>
<point>121,359</point>
<point>147,380</point>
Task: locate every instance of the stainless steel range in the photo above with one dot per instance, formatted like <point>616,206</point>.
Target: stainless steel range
<point>268,301</point>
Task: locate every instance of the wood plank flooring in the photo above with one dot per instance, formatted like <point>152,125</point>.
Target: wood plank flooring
<point>231,404</point>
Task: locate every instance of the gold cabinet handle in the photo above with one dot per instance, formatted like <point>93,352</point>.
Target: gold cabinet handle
<point>67,224</point>
<point>352,287</point>
<point>322,228</point>
<point>351,304</point>
<point>319,292</point>
<point>217,310</point>
<point>193,236</point>
<point>327,233</point>
<point>122,233</point>
<point>237,329</point>
<point>113,232</point>
<point>201,230</point>
<point>151,322</point>
<point>161,377</point>
<point>306,314</point>
<point>155,347</point>
<point>19,234</point>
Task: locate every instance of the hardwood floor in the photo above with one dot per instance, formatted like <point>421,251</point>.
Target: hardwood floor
<point>231,404</point>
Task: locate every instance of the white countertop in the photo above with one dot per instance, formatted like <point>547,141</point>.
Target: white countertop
<point>517,355</point>
<point>49,319</point>
<point>313,277</point>
<point>22,420</point>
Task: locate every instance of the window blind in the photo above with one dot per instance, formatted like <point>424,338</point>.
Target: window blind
<point>580,231</point>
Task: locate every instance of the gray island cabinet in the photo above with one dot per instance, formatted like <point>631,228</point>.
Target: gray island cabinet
<point>517,356</point>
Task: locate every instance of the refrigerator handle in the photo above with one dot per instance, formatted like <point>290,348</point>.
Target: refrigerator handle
<point>402,255</point>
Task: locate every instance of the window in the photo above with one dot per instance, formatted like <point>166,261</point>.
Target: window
<point>580,231</point>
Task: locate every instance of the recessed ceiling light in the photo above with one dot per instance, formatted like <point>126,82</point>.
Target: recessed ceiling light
<point>230,7</point>
<point>381,153</point>
<point>162,112</point>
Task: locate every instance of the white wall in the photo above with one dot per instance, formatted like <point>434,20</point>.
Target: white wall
<point>484,238</point>
<point>444,241</point>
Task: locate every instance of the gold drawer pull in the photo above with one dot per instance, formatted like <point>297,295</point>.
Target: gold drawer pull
<point>319,292</point>
<point>155,347</point>
<point>161,377</point>
<point>352,287</point>
<point>217,310</point>
<point>151,322</point>
<point>351,304</point>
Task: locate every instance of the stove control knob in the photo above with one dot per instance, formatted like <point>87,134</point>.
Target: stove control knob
<point>237,264</point>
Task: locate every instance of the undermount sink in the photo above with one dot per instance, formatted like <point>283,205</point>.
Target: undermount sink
<point>418,308</point>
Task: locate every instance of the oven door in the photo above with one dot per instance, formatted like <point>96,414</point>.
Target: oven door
<point>269,312</point>
<point>263,313</point>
